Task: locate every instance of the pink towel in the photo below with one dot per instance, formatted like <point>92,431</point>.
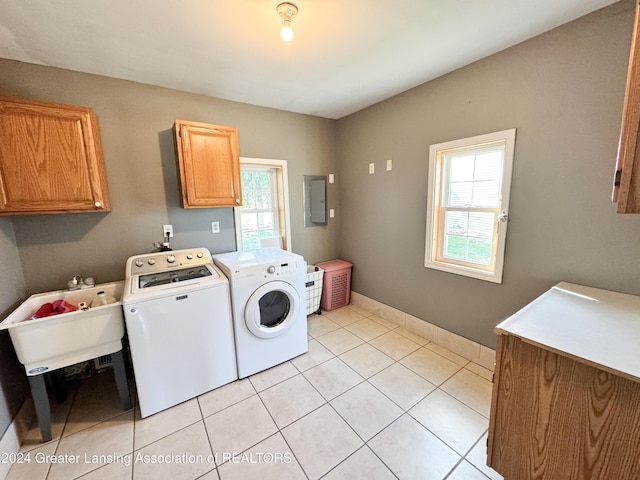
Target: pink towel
<point>55,308</point>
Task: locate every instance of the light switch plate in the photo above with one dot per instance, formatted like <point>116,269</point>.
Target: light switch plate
<point>372,168</point>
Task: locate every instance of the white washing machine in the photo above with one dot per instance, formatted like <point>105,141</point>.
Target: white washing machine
<point>177,310</point>
<point>269,306</point>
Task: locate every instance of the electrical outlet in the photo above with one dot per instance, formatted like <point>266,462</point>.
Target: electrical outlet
<point>215,227</point>
<point>167,229</point>
<point>372,169</point>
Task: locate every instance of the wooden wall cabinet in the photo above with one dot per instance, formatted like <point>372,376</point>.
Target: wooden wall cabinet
<point>626,187</point>
<point>208,165</point>
<point>50,159</point>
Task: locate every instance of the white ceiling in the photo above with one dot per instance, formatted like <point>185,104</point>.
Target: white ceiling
<point>346,54</point>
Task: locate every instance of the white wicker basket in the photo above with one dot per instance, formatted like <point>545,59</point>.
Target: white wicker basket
<point>314,289</point>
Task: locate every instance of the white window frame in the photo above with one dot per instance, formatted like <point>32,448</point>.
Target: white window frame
<point>282,186</point>
<point>435,230</point>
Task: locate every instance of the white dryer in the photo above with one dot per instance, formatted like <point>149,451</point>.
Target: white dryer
<point>269,306</point>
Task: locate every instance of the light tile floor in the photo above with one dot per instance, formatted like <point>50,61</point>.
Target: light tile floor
<point>368,401</point>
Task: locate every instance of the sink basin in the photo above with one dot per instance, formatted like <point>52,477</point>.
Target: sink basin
<point>48,343</point>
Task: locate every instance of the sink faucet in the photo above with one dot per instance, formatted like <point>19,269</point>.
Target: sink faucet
<point>78,282</point>
<point>75,282</point>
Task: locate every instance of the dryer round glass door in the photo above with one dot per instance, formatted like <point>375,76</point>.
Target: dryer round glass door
<point>271,309</point>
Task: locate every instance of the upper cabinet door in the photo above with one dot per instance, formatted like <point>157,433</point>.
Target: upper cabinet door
<point>208,165</point>
<point>626,190</point>
<point>50,159</point>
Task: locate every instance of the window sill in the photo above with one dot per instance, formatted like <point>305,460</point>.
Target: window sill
<point>494,277</point>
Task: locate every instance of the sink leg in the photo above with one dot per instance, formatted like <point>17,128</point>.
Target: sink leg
<point>121,379</point>
<point>41,402</point>
<point>59,384</point>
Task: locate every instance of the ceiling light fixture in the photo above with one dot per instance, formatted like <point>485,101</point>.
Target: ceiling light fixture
<point>287,11</point>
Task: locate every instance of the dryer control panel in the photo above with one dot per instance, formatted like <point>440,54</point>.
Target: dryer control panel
<point>278,269</point>
<point>263,264</point>
<point>271,270</point>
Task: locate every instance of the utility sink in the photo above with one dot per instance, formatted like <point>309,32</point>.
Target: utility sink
<point>45,344</point>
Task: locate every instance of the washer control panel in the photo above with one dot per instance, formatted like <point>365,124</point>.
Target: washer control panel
<point>161,261</point>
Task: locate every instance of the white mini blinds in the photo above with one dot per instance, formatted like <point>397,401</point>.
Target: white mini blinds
<point>467,204</point>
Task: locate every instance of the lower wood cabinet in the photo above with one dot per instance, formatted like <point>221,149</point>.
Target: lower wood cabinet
<point>554,417</point>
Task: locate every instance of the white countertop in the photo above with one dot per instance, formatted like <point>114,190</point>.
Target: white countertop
<point>596,326</point>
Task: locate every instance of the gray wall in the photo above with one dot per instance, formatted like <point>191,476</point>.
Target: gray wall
<point>135,122</point>
<point>13,381</point>
<point>563,92</point>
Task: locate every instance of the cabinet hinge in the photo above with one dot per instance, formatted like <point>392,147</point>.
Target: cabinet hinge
<point>616,180</point>
<point>493,378</point>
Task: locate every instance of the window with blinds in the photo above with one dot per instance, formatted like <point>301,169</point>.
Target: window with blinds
<point>468,195</point>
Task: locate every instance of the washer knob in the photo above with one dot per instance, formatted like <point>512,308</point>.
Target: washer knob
<point>271,269</point>
<point>139,263</point>
<point>199,254</point>
<point>171,258</point>
<point>151,261</point>
<point>189,256</point>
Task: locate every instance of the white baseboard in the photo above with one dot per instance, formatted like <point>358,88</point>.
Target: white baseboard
<point>464,347</point>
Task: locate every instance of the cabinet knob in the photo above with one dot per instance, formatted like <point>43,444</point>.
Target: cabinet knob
<point>237,200</point>
<point>98,204</point>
